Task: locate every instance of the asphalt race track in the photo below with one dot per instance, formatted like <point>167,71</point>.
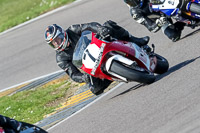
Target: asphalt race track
<point>170,105</point>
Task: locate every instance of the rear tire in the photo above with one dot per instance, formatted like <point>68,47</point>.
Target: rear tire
<point>194,7</point>
<point>131,74</point>
<point>162,65</point>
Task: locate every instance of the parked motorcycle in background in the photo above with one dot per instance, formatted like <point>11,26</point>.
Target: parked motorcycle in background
<point>187,11</point>
<point>117,60</point>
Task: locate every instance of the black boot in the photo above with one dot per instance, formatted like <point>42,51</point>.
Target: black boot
<point>99,85</point>
<point>179,26</point>
<point>95,90</point>
<point>173,32</point>
<point>140,41</point>
<point>120,33</point>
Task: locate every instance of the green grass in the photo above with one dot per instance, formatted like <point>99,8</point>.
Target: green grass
<point>31,105</point>
<point>14,12</point>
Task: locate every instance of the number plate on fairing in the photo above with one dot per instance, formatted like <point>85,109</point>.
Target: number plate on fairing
<point>92,56</point>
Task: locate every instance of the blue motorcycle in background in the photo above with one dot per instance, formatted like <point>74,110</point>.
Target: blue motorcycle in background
<point>187,11</point>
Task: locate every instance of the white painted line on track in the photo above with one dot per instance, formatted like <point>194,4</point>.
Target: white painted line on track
<point>108,92</point>
<point>39,17</point>
<point>30,81</point>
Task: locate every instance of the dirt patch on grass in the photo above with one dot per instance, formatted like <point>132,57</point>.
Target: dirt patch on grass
<point>70,86</point>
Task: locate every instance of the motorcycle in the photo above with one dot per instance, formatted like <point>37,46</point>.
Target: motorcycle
<point>117,60</point>
<point>26,128</point>
<point>187,11</point>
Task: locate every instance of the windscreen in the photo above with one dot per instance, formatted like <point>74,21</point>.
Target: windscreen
<point>81,45</point>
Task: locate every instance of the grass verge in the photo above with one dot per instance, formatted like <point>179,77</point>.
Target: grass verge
<point>14,12</point>
<point>31,105</point>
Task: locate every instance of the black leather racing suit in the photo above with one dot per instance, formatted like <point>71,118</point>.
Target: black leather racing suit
<point>144,16</point>
<point>64,58</point>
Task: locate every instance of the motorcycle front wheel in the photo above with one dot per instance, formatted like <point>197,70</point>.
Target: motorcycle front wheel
<point>131,74</point>
<point>162,65</point>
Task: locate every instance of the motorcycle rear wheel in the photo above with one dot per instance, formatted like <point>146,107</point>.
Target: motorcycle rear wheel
<point>131,74</point>
<point>162,65</point>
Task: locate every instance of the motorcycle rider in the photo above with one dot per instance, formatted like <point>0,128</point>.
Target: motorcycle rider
<point>64,42</point>
<point>142,13</point>
<point>9,125</point>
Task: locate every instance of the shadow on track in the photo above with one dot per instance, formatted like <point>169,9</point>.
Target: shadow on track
<point>175,68</point>
<point>190,34</point>
<point>130,89</point>
<point>159,77</point>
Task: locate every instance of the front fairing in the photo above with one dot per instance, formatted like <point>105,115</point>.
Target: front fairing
<point>88,54</point>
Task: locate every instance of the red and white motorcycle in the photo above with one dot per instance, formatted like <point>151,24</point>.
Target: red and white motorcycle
<point>117,60</point>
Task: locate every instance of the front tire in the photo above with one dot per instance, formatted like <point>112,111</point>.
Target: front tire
<point>131,74</point>
<point>162,65</point>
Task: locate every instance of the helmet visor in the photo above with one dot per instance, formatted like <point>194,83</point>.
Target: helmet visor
<point>58,41</point>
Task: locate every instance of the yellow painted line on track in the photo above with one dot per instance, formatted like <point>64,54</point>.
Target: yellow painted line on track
<point>79,96</point>
<point>73,100</point>
<point>77,99</point>
<point>81,84</point>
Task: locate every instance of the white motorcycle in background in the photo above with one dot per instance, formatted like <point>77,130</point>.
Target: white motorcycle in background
<point>187,11</point>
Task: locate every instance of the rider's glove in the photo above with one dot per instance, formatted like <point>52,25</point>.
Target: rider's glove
<point>103,32</point>
<point>161,21</point>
